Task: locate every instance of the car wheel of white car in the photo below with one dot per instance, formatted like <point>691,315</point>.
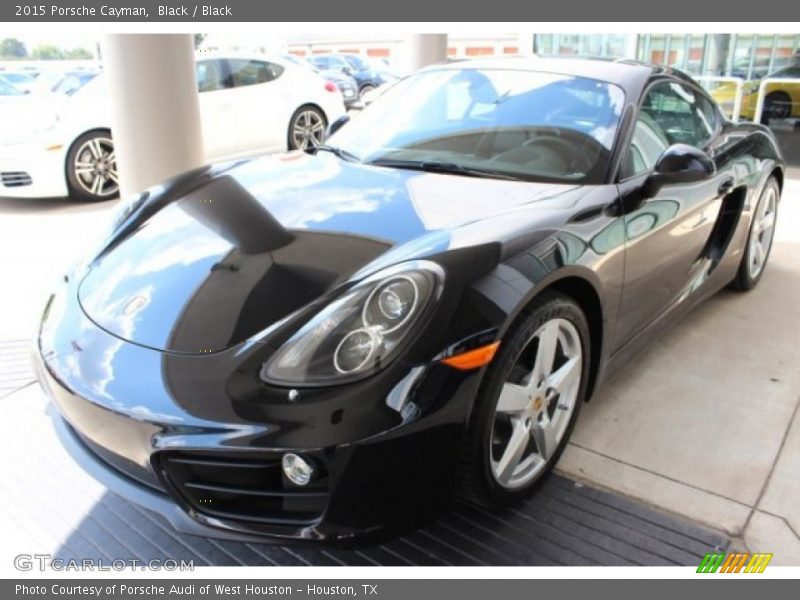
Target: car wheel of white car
<point>92,167</point>
<point>306,128</point>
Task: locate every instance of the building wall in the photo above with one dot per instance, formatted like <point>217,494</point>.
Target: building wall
<point>748,56</point>
<point>391,47</point>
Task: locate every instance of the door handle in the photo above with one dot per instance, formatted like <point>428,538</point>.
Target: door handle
<point>725,187</point>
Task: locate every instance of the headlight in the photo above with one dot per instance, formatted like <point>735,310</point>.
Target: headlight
<point>360,332</point>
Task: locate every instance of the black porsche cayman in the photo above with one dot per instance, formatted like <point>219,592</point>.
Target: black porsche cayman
<point>321,346</point>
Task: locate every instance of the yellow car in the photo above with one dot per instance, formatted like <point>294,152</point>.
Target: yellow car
<point>782,100</point>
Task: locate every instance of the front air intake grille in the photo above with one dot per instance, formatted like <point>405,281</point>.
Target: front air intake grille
<point>15,178</point>
<point>243,487</point>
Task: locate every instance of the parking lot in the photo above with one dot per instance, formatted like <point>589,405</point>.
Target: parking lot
<point>703,428</point>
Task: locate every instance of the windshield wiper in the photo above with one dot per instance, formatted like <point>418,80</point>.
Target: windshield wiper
<point>434,166</point>
<point>343,154</point>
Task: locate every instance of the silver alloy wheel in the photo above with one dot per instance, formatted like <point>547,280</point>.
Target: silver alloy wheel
<point>308,129</point>
<point>762,231</point>
<point>534,410</point>
<point>95,167</point>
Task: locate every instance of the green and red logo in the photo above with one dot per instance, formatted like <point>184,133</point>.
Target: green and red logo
<point>734,562</point>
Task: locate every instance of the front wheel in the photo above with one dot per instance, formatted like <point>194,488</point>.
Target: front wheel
<point>528,403</point>
<point>306,128</point>
<point>759,240</point>
<point>92,167</point>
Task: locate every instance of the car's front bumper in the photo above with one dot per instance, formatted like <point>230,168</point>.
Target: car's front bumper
<point>134,491</point>
<point>32,170</point>
<point>386,458</point>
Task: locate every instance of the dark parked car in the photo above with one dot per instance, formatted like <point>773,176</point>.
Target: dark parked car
<point>324,346</point>
<point>365,73</point>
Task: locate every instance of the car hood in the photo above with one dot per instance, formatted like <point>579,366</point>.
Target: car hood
<point>229,252</point>
<point>30,115</point>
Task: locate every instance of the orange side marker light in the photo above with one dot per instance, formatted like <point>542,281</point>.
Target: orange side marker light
<point>473,359</point>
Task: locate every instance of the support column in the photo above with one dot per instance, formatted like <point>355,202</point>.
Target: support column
<point>424,49</point>
<point>716,53</point>
<point>525,43</point>
<point>155,110</point>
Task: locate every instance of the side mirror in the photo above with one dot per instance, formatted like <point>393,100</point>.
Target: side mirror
<point>337,125</point>
<point>679,163</point>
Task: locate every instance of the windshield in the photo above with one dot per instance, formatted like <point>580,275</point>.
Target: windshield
<point>8,90</point>
<point>72,82</point>
<point>529,125</point>
<point>17,78</point>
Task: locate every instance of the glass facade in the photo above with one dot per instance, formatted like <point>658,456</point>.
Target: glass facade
<point>709,57</point>
<point>736,55</point>
<point>605,44</point>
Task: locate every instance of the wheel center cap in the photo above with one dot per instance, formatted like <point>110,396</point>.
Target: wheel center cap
<point>537,403</point>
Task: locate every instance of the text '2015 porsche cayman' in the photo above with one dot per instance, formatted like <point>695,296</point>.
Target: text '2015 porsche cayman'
<point>326,345</point>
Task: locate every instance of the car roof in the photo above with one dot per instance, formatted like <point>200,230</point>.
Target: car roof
<point>203,55</point>
<point>629,74</point>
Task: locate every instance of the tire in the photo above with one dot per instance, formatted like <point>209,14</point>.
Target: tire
<point>777,105</point>
<point>91,167</point>
<point>306,128</point>
<point>487,477</point>
<point>757,250</point>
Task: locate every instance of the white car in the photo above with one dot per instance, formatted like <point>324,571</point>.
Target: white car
<point>248,105</point>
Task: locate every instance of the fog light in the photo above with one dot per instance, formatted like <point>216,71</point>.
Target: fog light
<point>297,470</point>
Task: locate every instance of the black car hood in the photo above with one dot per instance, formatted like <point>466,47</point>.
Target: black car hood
<point>249,245</point>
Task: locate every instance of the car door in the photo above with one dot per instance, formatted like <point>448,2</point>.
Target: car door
<point>321,62</point>
<point>262,99</point>
<point>216,108</point>
<point>667,234</point>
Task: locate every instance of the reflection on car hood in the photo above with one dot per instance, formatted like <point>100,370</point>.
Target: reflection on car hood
<point>247,246</point>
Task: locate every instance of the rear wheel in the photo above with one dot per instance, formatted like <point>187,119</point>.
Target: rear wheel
<point>777,105</point>
<point>306,128</point>
<point>529,402</point>
<point>759,240</point>
<point>92,167</point>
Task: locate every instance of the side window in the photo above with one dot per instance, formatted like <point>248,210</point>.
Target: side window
<point>321,61</point>
<point>209,76</point>
<point>670,114</point>
<point>338,63</point>
<point>252,72</point>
